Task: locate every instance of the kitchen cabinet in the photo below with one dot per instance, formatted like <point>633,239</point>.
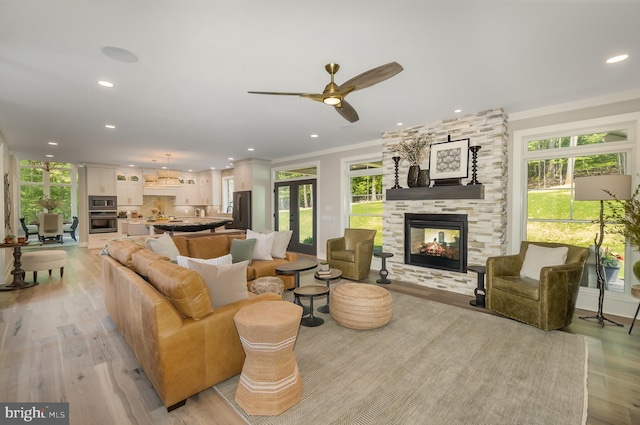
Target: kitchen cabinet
<point>101,181</point>
<point>188,193</point>
<point>129,185</point>
<point>210,187</point>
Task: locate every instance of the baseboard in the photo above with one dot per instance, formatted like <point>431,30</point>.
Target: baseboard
<point>616,304</point>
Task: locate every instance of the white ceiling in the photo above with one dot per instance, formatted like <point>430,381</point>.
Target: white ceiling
<point>187,93</point>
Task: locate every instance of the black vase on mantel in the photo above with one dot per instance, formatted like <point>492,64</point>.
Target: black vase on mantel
<point>412,177</point>
<point>423,178</point>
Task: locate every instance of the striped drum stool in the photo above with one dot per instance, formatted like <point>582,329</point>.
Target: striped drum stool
<point>270,382</point>
<point>361,305</point>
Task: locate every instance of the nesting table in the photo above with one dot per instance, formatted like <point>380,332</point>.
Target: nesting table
<point>310,291</point>
<point>295,268</point>
<point>334,274</point>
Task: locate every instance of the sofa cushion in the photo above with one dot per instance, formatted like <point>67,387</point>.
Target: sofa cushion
<point>242,250</point>
<point>225,260</point>
<point>122,249</point>
<point>262,268</point>
<point>181,244</point>
<point>143,258</point>
<point>208,247</point>
<point>281,241</point>
<point>538,257</point>
<point>163,245</point>
<point>184,288</point>
<point>227,284</point>
<point>263,245</point>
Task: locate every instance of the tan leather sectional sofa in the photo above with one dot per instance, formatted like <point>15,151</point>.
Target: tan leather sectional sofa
<point>164,313</point>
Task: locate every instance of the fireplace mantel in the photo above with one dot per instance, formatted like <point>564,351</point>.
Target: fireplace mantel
<point>439,192</point>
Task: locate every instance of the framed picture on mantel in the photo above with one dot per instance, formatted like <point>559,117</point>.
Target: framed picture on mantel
<point>449,160</point>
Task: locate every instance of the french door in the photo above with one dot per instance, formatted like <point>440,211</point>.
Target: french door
<point>295,209</point>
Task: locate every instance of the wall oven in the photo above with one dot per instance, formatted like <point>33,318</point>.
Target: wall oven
<point>103,217</point>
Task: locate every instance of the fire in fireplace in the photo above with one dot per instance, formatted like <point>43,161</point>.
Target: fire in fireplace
<point>437,241</point>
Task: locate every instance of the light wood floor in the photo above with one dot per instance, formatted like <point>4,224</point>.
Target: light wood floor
<point>57,343</point>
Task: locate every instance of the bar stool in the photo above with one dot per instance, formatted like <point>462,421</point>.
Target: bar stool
<point>635,293</point>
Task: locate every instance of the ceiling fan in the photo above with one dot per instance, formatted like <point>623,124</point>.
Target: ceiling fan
<point>334,94</point>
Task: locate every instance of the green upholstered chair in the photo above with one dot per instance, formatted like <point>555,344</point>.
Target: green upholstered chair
<point>547,303</point>
<point>352,253</point>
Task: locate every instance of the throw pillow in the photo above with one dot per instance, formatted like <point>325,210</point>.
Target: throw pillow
<point>538,257</point>
<point>225,260</point>
<point>280,242</point>
<point>242,250</point>
<point>227,284</point>
<point>163,245</point>
<point>262,248</point>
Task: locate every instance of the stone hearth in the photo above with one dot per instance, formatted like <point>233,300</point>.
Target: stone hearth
<point>487,223</point>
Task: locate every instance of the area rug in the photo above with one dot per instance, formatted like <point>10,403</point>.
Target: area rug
<point>435,364</point>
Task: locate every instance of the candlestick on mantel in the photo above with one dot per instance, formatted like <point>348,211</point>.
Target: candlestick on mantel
<point>474,164</point>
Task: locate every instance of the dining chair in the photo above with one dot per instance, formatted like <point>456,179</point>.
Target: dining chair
<point>50,227</point>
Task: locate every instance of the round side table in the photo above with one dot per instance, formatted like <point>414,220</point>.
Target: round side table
<point>310,291</point>
<point>334,274</point>
<point>383,271</point>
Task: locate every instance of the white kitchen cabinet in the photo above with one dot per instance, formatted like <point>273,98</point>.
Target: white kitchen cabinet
<point>101,181</point>
<point>130,185</point>
<point>187,193</point>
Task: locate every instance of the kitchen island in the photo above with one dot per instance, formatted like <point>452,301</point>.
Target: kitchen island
<point>134,227</point>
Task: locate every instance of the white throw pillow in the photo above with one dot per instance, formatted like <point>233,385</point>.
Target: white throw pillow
<point>538,257</point>
<point>227,284</point>
<point>225,260</point>
<point>163,245</point>
<point>280,242</point>
<point>262,248</point>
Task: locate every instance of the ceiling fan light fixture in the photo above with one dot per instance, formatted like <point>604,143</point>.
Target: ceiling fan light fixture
<point>333,101</point>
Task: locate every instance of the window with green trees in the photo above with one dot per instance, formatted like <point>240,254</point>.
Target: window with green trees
<point>365,196</point>
<point>552,214</point>
<point>36,183</point>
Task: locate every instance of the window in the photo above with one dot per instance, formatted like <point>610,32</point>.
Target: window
<point>552,214</point>
<point>365,197</point>
<point>37,183</point>
<point>227,194</point>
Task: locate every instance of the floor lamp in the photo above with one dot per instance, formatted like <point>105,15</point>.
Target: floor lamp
<point>602,188</point>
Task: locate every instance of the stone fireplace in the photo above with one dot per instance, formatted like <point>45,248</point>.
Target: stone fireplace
<point>485,209</point>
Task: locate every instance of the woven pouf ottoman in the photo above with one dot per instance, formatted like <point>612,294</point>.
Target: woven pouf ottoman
<point>270,381</point>
<point>33,261</point>
<point>267,284</point>
<point>361,305</point>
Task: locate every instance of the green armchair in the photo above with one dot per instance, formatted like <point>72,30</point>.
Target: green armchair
<point>547,303</point>
<point>352,253</point>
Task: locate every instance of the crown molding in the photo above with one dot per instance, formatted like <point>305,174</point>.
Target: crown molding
<point>578,104</point>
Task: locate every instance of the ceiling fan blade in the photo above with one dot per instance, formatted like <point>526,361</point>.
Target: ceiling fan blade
<point>346,110</point>
<point>278,93</point>
<point>373,76</point>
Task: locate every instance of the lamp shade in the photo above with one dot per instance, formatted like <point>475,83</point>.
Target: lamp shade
<point>595,188</point>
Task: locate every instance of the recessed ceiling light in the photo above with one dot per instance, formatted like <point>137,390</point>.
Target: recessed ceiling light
<point>49,156</point>
<point>110,126</point>
<point>399,123</point>
<point>227,166</point>
<point>230,159</point>
<point>53,143</point>
<point>617,59</point>
<point>189,170</point>
<point>164,167</point>
<point>457,111</point>
<point>131,165</point>
<point>107,84</point>
<point>314,136</point>
<point>251,149</point>
<point>213,168</point>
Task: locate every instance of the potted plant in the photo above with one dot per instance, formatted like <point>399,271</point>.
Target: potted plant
<point>628,215</point>
<point>49,203</point>
<point>9,238</point>
<point>611,263</point>
<point>324,266</point>
<point>414,151</point>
